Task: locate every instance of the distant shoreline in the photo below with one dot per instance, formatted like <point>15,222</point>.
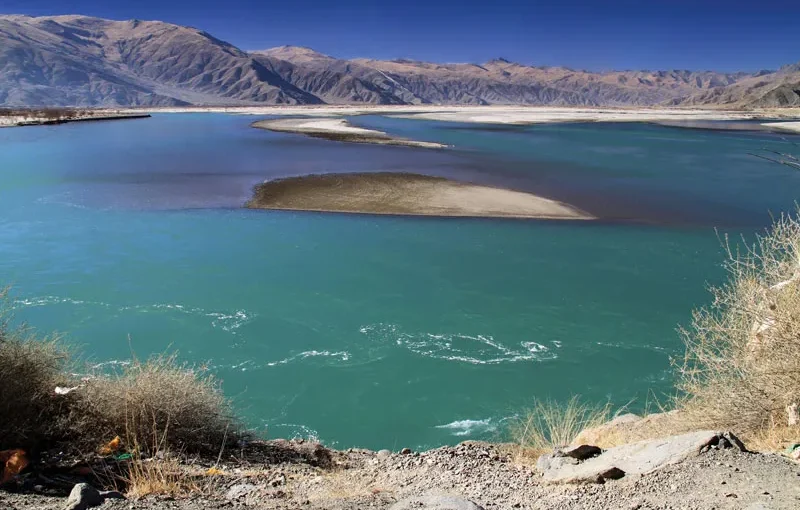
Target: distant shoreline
<point>30,120</point>
<point>404,194</point>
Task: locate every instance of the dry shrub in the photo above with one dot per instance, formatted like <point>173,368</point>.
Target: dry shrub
<point>30,369</point>
<point>742,363</point>
<point>548,425</point>
<point>156,406</point>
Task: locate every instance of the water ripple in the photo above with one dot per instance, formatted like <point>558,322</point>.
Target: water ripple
<point>224,320</point>
<point>475,349</point>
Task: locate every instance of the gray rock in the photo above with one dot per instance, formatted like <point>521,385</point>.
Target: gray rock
<point>433,502</point>
<point>384,454</point>
<point>405,451</point>
<point>83,496</point>
<point>239,491</point>
<point>635,458</point>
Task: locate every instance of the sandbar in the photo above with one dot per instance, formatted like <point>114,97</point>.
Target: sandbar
<point>794,127</point>
<point>405,194</point>
<point>339,130</point>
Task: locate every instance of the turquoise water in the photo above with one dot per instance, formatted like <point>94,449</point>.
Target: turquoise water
<point>378,331</point>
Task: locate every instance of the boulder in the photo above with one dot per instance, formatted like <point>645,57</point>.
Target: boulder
<point>435,502</point>
<point>82,497</point>
<point>635,458</point>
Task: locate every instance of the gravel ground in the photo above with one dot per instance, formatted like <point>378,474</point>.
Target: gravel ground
<point>485,474</point>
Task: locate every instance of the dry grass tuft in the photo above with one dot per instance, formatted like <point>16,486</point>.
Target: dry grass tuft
<point>155,406</point>
<point>163,477</point>
<point>549,425</point>
<point>30,369</point>
<point>742,364</point>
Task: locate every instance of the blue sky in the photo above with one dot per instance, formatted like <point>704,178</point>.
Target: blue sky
<point>587,34</point>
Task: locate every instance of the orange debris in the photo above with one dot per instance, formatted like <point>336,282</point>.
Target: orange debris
<point>12,462</point>
<point>112,446</point>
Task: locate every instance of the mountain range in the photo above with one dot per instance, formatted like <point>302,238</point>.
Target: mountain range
<point>84,61</point>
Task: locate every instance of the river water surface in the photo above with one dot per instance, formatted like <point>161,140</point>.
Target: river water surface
<point>379,332</point>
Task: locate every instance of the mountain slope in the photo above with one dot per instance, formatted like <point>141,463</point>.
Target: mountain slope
<point>76,60</point>
<point>495,82</point>
<point>84,61</point>
<point>762,90</point>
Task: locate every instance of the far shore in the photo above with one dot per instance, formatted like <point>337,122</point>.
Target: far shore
<point>43,118</point>
<point>498,114</point>
<point>407,195</point>
<point>339,130</point>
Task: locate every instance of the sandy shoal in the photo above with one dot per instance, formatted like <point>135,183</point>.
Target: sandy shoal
<point>341,130</point>
<point>784,126</point>
<point>405,194</point>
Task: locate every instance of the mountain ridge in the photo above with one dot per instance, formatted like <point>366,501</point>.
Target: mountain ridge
<point>74,60</point>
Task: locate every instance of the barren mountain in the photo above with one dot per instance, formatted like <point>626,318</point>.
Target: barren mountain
<point>78,60</point>
<point>765,89</point>
<point>496,82</point>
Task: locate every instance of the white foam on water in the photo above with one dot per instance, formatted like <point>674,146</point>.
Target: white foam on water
<point>476,349</point>
<point>111,363</point>
<point>341,355</point>
<point>226,321</point>
<point>617,345</point>
<point>469,427</point>
<point>297,431</point>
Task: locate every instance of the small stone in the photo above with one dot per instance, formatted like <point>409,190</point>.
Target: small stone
<point>83,496</point>
<point>239,491</point>
<point>405,451</point>
<point>384,454</point>
<point>278,480</point>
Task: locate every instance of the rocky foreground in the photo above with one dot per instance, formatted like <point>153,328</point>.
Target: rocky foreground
<point>697,470</point>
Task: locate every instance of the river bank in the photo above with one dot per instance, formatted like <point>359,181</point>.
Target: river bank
<point>44,117</point>
<point>470,476</point>
<point>405,194</point>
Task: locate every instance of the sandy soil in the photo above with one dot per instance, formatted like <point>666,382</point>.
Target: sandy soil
<point>405,194</point>
<point>341,130</point>
<point>488,475</point>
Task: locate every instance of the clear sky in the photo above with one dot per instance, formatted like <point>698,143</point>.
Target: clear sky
<point>587,34</point>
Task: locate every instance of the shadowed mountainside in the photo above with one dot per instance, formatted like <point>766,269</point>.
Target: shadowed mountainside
<point>84,61</point>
